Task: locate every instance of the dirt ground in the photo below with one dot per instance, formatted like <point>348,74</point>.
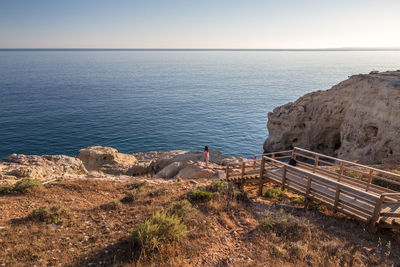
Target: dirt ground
<point>224,232</point>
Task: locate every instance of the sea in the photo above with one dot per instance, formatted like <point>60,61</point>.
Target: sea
<point>59,101</point>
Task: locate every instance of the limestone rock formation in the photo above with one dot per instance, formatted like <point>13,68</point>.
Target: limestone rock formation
<point>107,160</point>
<point>357,119</point>
<point>18,166</point>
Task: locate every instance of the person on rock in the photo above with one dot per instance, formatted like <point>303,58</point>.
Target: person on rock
<point>206,155</point>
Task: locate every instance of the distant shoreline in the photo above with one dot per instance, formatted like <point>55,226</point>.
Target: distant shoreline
<point>205,50</point>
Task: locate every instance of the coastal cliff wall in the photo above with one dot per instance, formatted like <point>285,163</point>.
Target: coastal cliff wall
<point>357,119</point>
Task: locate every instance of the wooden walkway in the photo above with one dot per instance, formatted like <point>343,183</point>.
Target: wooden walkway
<point>359,191</point>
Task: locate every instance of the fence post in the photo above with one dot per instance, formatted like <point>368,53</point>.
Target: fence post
<point>375,215</point>
<point>341,171</point>
<point>255,161</point>
<point>337,194</point>
<point>283,177</point>
<point>243,168</point>
<point>227,172</point>
<point>369,179</point>
<point>316,162</point>
<point>308,190</point>
<point>294,153</point>
<point>262,166</point>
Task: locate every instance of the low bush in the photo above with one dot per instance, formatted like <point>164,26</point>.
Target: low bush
<point>183,209</point>
<point>131,195</point>
<point>219,186</point>
<point>161,228</point>
<point>223,188</point>
<point>159,192</point>
<point>137,184</point>
<point>52,215</point>
<point>275,192</point>
<point>285,225</point>
<point>136,188</point>
<point>23,186</point>
<point>113,205</point>
<point>200,196</point>
<point>298,200</point>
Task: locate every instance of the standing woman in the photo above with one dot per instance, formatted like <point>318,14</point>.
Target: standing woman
<point>206,155</point>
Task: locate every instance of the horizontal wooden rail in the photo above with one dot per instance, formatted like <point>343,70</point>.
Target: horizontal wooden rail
<point>351,163</point>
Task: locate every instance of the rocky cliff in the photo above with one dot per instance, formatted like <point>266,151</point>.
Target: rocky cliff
<point>357,119</point>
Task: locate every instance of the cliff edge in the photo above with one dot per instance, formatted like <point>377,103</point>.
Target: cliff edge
<point>357,119</point>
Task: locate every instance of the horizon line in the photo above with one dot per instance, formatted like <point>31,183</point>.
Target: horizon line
<point>208,49</point>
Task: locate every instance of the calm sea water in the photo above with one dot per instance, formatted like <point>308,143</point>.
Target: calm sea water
<point>56,102</point>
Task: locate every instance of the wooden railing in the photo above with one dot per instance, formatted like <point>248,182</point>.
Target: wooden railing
<point>314,178</point>
<point>358,175</point>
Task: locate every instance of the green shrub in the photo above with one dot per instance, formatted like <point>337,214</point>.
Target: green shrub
<point>230,190</point>
<point>6,189</point>
<point>22,186</point>
<point>200,196</point>
<point>113,205</point>
<point>275,192</point>
<point>182,209</point>
<point>160,229</point>
<point>284,224</point>
<point>52,215</point>
<point>218,186</point>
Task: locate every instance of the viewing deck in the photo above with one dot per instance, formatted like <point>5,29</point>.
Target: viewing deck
<point>362,192</point>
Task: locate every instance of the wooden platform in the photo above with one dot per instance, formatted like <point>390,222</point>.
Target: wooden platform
<point>328,180</point>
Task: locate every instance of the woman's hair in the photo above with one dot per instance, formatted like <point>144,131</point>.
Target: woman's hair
<point>206,148</point>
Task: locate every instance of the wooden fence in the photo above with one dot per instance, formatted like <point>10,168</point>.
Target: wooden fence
<point>344,186</point>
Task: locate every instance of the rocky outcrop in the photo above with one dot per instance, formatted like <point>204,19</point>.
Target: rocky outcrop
<point>108,163</point>
<point>18,166</point>
<point>358,119</point>
<point>107,160</point>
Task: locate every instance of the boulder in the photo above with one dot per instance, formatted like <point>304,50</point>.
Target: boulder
<point>358,119</point>
<point>107,160</point>
<point>171,170</point>
<point>18,166</point>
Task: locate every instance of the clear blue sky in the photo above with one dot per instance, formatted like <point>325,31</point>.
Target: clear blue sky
<point>199,23</point>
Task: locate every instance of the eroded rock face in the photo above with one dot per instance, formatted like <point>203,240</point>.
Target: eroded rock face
<point>358,119</point>
<point>107,160</point>
<point>18,166</point>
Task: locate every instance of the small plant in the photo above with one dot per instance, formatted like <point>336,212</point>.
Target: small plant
<point>160,229</point>
<point>137,184</point>
<point>52,215</point>
<point>182,209</point>
<point>200,196</point>
<point>237,193</point>
<point>223,188</point>
<point>278,251</point>
<point>284,224</point>
<point>131,195</point>
<point>298,200</point>
<point>218,186</point>
<point>6,189</point>
<point>159,192</point>
<point>21,187</point>
<point>137,187</point>
<point>113,205</point>
<point>275,192</point>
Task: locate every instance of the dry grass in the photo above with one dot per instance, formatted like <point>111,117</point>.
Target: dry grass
<point>223,231</point>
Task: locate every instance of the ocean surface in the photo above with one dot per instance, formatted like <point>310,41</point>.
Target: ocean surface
<point>56,102</point>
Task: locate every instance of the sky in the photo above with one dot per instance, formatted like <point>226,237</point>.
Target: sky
<point>237,24</point>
